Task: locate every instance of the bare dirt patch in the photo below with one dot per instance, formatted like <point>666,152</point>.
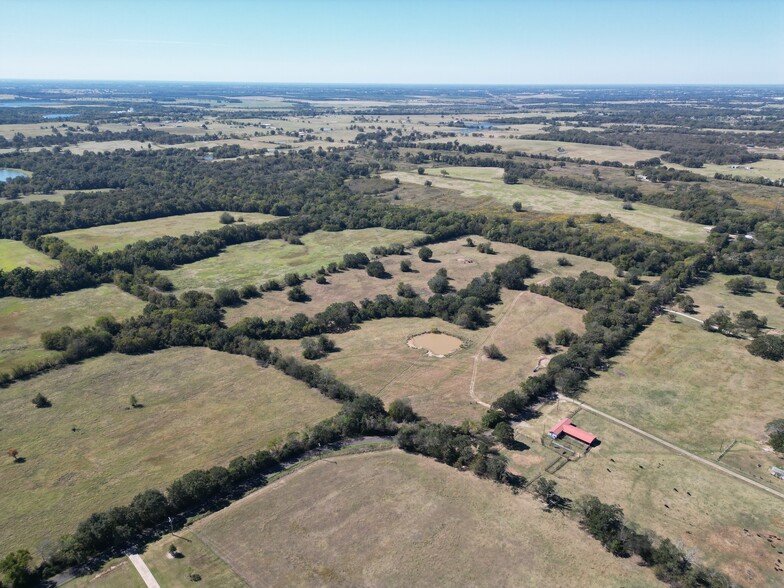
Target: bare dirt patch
<point>436,344</point>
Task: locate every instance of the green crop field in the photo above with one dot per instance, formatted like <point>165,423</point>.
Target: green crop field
<point>713,296</point>
<point>462,264</point>
<point>252,263</point>
<point>112,237</point>
<point>721,520</point>
<point>22,320</point>
<point>90,451</point>
<point>15,254</point>
<point>395,519</point>
<point>485,184</point>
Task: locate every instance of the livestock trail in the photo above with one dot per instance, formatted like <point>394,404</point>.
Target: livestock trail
<point>478,356</point>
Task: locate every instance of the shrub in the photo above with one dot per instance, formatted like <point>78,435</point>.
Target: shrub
<point>438,284</point>
<point>428,183</point>
<point>563,262</point>
<point>401,412</point>
<point>768,347</point>
<point>469,242</point>
<point>226,218</point>
<point>297,294</point>
<point>517,207</point>
<point>227,296</point>
<point>250,291</point>
<point>405,266</point>
<point>317,347</point>
<point>405,290</point>
<point>425,254</point>
<point>41,401</point>
<point>292,279</point>
<point>375,269</point>
<point>543,344</point>
<point>492,352</point>
<point>485,248</point>
<point>565,337</point>
<point>320,279</point>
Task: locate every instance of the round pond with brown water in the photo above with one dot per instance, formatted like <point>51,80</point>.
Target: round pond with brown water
<point>436,344</point>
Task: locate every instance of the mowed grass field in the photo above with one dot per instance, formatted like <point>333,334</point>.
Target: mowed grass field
<point>112,237</point>
<point>462,264</point>
<point>23,320</point>
<point>376,358</point>
<point>15,254</point>
<point>713,296</point>
<point>485,184</point>
<point>393,519</point>
<point>723,521</point>
<point>697,389</point>
<point>89,451</point>
<point>255,262</point>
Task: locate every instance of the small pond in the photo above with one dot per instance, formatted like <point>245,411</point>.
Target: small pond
<point>9,174</point>
<point>436,344</point>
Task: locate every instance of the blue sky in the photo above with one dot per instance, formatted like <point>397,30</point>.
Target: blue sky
<point>402,41</point>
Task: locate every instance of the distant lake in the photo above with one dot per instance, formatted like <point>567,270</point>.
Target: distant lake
<point>473,127</point>
<point>22,103</point>
<point>9,174</point>
<point>58,115</point>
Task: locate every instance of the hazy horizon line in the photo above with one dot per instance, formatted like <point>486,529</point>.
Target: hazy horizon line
<point>344,83</point>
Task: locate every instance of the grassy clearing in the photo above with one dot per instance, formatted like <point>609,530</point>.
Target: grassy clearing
<point>713,296</point>
<point>697,389</point>
<point>15,254</point>
<point>22,320</point>
<point>118,573</point>
<point>252,263</point>
<point>462,264</point>
<point>772,169</point>
<point>395,518</point>
<point>112,237</point>
<point>485,184</point>
<point>377,359</point>
<point>90,451</point>
<point>196,558</point>
<point>725,522</point>
<point>624,154</point>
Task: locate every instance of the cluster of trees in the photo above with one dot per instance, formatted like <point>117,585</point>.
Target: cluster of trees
<point>92,133</point>
<point>745,324</point>
<point>775,431</point>
<point>317,347</point>
<point>456,447</point>
<point>745,285</point>
<point>768,347</point>
<point>607,524</point>
<point>686,147</point>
